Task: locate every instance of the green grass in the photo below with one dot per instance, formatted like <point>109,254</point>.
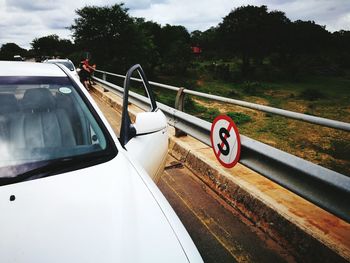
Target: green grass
<point>200,111</point>
<point>328,91</point>
<point>327,97</point>
<point>239,118</point>
<point>209,114</point>
<point>276,125</point>
<point>335,87</point>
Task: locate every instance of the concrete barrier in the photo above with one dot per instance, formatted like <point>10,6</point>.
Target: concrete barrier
<point>308,232</point>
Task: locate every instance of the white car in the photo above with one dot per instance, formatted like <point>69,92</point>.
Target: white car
<point>70,190</point>
<point>66,62</point>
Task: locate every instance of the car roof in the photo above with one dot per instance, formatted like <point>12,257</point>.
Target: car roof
<point>58,60</point>
<point>15,68</point>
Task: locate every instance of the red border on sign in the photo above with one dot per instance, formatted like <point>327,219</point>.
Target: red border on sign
<point>225,117</point>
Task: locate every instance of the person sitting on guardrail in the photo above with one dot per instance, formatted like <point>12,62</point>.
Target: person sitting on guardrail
<point>84,73</point>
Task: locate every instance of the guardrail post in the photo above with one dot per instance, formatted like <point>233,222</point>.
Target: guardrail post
<point>104,77</point>
<point>179,105</point>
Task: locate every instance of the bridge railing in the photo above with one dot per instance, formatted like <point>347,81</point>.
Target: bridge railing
<point>289,114</point>
<point>324,187</point>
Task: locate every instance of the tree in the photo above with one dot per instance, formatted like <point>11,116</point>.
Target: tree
<point>113,38</point>
<point>152,32</point>
<point>175,49</point>
<point>277,35</point>
<point>341,44</point>
<point>8,50</point>
<point>52,45</point>
<point>209,42</point>
<point>171,45</point>
<point>309,38</point>
<point>252,33</point>
<point>45,46</point>
<point>196,38</point>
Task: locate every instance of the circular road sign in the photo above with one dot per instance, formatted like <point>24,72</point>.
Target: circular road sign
<point>225,141</point>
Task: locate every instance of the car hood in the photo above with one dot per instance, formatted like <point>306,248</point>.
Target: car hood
<point>104,213</point>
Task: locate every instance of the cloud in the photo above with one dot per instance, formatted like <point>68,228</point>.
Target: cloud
<point>23,20</point>
<point>332,14</point>
<point>32,5</point>
<point>143,4</point>
<point>191,14</point>
<point>201,15</point>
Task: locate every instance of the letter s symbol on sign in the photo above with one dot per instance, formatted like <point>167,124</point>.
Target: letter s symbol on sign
<point>223,132</point>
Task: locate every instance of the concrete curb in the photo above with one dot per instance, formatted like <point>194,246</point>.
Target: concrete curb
<point>250,194</point>
<point>294,238</point>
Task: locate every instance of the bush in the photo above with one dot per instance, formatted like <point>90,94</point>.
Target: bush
<point>192,107</point>
<point>311,94</point>
<point>222,71</point>
<point>234,94</point>
<point>238,117</point>
<point>209,114</point>
<point>340,149</point>
<point>200,111</point>
<point>170,101</point>
<point>165,98</point>
<point>251,87</point>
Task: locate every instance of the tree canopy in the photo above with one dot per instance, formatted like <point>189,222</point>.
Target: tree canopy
<point>112,37</point>
<point>258,40</point>
<point>117,40</point>
<point>252,33</point>
<point>268,41</point>
<point>52,45</point>
<point>8,50</point>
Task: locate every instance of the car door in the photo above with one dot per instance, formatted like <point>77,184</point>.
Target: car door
<point>146,140</point>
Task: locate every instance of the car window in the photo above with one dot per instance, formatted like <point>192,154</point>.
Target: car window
<point>68,64</point>
<point>45,119</point>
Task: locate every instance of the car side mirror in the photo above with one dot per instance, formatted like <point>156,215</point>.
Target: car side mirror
<point>149,122</point>
<point>127,129</point>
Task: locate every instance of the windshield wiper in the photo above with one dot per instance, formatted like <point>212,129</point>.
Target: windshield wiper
<point>32,171</point>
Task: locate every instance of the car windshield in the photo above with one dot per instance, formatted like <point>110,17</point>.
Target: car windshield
<point>45,119</point>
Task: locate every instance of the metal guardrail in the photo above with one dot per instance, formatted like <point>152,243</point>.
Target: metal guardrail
<point>289,114</point>
<point>326,188</point>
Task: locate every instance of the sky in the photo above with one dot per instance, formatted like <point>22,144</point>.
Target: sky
<point>23,20</point>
